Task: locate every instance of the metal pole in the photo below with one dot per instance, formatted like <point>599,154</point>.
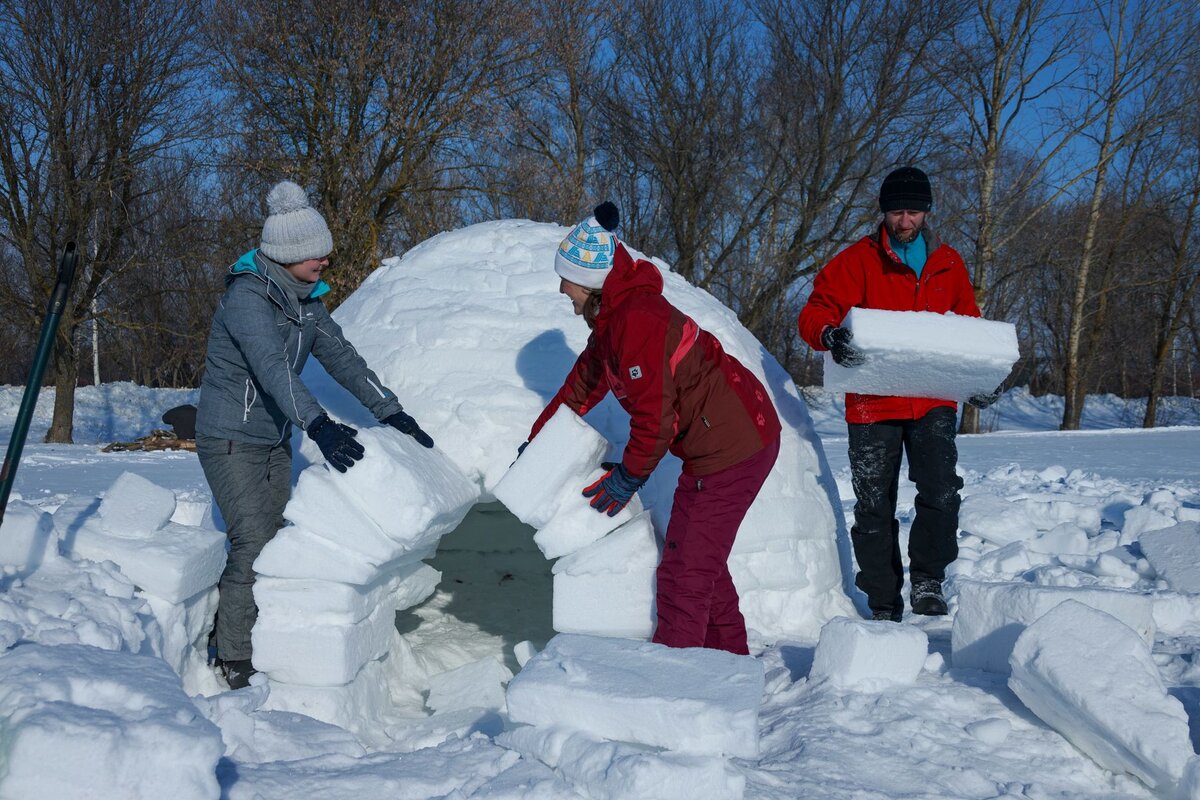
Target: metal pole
<point>58,300</point>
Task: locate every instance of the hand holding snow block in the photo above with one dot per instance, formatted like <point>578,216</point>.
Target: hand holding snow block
<point>858,654</point>
<point>991,616</point>
<point>564,452</point>
<point>135,507</point>
<point>923,354</point>
<point>28,536</point>
<point>692,700</point>
<point>576,524</point>
<point>1174,553</point>
<point>1093,680</point>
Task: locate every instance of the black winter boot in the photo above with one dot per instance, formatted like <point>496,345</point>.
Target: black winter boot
<point>237,673</point>
<point>927,598</point>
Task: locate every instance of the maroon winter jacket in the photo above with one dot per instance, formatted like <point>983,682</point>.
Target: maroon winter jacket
<point>683,392</point>
<point>868,274</point>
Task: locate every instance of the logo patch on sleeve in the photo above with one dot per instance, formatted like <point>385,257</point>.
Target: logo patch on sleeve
<point>635,372</point>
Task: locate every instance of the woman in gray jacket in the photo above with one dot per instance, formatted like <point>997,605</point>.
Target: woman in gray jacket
<point>269,320</point>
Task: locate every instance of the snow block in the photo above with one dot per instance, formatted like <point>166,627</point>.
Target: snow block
<point>479,684</point>
<point>185,626</point>
<point>991,616</point>
<point>86,722</point>
<point>691,700</point>
<point>327,602</point>
<point>564,452</point>
<point>1093,680</point>
<point>298,553</point>
<point>28,536</point>
<point>617,771</point>
<point>135,507</point>
<point>358,706</point>
<point>923,354</point>
<point>321,655</point>
<point>607,588</point>
<point>868,655</point>
<point>1174,553</point>
<point>175,562</point>
<point>576,524</point>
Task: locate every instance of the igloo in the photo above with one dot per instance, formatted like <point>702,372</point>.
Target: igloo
<point>470,331</point>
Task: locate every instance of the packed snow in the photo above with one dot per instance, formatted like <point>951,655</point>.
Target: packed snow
<point>1076,571</point>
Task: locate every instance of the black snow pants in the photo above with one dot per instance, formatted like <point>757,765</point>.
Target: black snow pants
<point>875,450</point>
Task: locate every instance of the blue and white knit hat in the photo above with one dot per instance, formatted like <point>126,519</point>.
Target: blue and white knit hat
<point>585,257</point>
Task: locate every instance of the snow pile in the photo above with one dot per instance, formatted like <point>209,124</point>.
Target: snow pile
<point>923,354</point>
<point>83,721</point>
<point>109,412</point>
<point>1093,679</point>
<point>1174,553</point>
<point>867,655</point>
<point>29,537</point>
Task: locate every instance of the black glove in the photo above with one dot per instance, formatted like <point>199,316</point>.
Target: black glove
<point>520,450</point>
<point>983,400</point>
<point>406,424</point>
<point>613,491</point>
<point>336,441</point>
<point>837,342</point>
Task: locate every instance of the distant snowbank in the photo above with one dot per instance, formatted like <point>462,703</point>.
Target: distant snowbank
<point>123,411</point>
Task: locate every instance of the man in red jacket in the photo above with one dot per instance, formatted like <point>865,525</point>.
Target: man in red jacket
<point>901,266</point>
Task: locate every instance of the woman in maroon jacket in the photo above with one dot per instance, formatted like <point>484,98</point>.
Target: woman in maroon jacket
<point>685,394</point>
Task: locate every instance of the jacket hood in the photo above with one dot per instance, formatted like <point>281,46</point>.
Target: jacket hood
<point>629,276</point>
<point>246,265</point>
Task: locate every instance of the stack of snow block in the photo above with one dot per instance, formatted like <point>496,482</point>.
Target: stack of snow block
<point>867,655</point>
<point>596,705</point>
<point>330,583</point>
<point>175,566</point>
<point>605,583</point>
<point>991,616</point>
<point>923,354</point>
<point>1093,679</point>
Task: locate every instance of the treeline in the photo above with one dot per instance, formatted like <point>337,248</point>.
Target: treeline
<point>744,143</point>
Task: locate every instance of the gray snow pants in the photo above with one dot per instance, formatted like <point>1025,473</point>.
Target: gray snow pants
<point>251,484</point>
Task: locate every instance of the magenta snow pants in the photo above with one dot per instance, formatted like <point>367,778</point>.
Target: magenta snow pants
<point>696,598</point>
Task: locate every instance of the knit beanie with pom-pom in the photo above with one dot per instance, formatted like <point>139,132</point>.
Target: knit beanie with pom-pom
<point>294,231</point>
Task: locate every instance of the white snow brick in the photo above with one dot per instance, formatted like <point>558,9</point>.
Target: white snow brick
<point>1174,553</point>
<point>868,655</point>
<point>328,602</point>
<point>85,722</point>
<point>185,626</point>
<point>1093,680</point>
<point>990,616</point>
<point>134,506</point>
<point>175,562</point>
<point>565,451</point>
<point>298,553</point>
<point>28,537</point>
<point>607,588</point>
<point>923,354</point>
<point>358,706</point>
<point>693,700</point>
<point>576,524</point>
<point>479,684</point>
<point>617,771</point>
<point>321,655</point>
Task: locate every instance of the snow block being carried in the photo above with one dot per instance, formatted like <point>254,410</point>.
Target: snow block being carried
<point>607,588</point>
<point>692,700</point>
<point>923,354</point>
<point>565,451</point>
<point>85,722</point>
<point>991,616</point>
<point>1175,555</point>
<point>1093,680</point>
<point>28,537</point>
<point>868,655</point>
<point>135,507</point>
<point>576,524</point>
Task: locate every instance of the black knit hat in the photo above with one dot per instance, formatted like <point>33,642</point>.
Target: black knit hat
<point>905,189</point>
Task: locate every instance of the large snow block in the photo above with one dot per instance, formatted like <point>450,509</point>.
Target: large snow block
<point>565,451</point>
<point>692,700</point>
<point>922,354</point>
<point>321,655</point>
<point>175,562</point>
<point>867,655</point>
<point>85,722</point>
<point>360,706</point>
<point>1174,553</point>
<point>576,524</point>
<point>134,506</point>
<point>28,536</point>
<point>607,588</point>
<point>319,602</point>
<point>1092,679</point>
<point>991,616</point>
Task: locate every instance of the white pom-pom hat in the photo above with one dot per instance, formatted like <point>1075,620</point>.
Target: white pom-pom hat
<point>585,257</point>
<point>294,231</point>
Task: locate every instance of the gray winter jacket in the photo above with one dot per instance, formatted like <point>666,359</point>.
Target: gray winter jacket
<point>251,391</point>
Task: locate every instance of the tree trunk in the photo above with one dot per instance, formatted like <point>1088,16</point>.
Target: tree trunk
<point>66,377</point>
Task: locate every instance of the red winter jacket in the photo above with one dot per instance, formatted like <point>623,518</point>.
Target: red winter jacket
<point>868,274</point>
<point>683,392</point>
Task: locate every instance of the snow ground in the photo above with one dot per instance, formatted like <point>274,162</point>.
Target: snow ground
<point>955,733</point>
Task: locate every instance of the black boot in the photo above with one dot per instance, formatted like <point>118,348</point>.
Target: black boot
<point>237,673</point>
<point>927,598</point>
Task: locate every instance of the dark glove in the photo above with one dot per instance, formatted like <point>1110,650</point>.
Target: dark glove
<point>406,424</point>
<point>613,491</point>
<point>983,400</point>
<point>520,450</point>
<point>336,441</point>
<point>837,341</point>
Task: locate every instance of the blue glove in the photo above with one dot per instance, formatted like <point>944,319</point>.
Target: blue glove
<point>406,424</point>
<point>613,491</point>
<point>837,341</point>
<point>336,441</point>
